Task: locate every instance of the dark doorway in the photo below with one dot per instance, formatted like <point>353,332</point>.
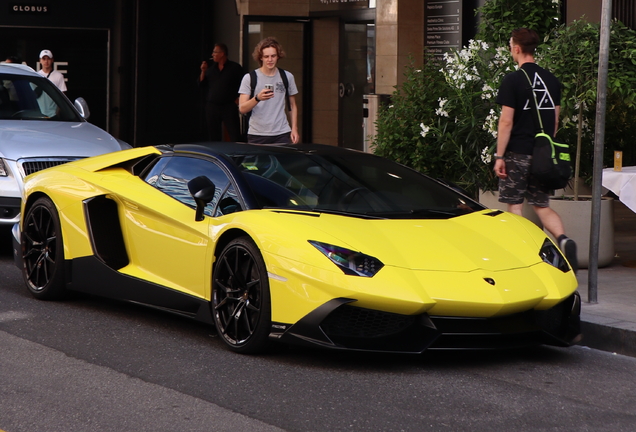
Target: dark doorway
<point>357,78</point>
<point>294,35</point>
<point>81,55</point>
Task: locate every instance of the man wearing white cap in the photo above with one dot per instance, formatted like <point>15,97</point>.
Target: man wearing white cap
<point>46,60</point>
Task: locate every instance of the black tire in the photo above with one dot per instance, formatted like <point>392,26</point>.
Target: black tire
<point>43,251</point>
<point>241,303</point>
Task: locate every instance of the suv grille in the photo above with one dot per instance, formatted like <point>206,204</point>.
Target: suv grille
<point>29,166</point>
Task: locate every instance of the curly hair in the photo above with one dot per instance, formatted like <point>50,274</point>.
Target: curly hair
<point>268,42</point>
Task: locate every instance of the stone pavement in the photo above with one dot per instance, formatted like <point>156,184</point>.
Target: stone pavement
<point>610,324</point>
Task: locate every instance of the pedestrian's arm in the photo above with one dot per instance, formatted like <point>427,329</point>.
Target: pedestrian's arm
<point>247,104</point>
<point>503,136</point>
<point>294,119</point>
<point>557,112</point>
<point>204,68</point>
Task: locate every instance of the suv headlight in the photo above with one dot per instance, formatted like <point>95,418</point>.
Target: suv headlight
<point>350,262</point>
<point>551,254</point>
<point>3,169</point>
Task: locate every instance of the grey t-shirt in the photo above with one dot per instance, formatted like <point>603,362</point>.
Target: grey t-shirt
<point>269,117</point>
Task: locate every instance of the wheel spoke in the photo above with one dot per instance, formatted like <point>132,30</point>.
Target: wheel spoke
<point>248,324</point>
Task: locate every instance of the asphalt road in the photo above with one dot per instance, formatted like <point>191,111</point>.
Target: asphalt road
<point>88,364</point>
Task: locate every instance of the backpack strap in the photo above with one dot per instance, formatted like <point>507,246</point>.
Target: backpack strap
<point>283,76</point>
<point>253,81</point>
<point>536,115</point>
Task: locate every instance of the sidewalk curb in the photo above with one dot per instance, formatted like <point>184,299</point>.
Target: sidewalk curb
<point>606,338</point>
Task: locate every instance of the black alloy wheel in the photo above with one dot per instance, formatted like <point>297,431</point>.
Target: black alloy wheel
<point>43,251</point>
<point>240,297</point>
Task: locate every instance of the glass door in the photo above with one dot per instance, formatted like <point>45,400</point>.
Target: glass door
<point>357,78</point>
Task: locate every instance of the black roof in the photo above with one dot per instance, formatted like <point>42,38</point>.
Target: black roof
<point>230,149</point>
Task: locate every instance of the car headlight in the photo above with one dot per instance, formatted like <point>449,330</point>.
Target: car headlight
<point>550,254</point>
<point>3,169</point>
<point>350,262</point>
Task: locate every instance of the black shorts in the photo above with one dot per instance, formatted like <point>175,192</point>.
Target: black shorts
<point>271,140</point>
<point>520,183</point>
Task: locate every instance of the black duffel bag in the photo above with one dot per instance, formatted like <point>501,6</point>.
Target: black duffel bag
<point>551,162</point>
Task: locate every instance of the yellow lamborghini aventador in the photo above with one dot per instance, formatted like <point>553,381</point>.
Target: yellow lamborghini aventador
<point>301,244</point>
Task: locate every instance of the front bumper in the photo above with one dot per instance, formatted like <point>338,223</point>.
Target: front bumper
<point>9,210</point>
<point>339,325</point>
<point>17,247</point>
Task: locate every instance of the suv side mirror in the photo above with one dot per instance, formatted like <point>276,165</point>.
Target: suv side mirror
<point>82,107</point>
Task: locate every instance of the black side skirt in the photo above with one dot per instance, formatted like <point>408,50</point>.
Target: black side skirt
<point>90,275</point>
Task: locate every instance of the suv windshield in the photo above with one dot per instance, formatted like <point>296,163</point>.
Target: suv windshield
<point>355,183</point>
<point>33,98</point>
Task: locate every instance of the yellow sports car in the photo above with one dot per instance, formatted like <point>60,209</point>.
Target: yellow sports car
<point>305,244</point>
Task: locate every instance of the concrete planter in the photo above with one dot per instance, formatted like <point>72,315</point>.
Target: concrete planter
<point>577,220</point>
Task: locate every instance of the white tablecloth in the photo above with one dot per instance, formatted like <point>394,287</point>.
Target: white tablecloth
<point>623,184</point>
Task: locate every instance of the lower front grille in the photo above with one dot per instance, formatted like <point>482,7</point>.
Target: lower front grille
<point>30,166</point>
<point>350,321</point>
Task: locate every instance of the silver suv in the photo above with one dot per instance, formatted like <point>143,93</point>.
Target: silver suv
<point>40,128</point>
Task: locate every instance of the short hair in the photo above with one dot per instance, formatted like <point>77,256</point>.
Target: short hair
<point>223,47</point>
<point>526,38</point>
<point>268,42</point>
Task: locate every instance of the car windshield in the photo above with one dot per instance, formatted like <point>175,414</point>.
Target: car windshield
<point>33,98</point>
<point>354,183</point>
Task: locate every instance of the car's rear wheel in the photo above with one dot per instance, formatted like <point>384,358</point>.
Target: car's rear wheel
<point>240,297</point>
<point>43,251</point>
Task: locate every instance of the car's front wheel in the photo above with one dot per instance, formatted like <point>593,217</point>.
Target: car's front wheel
<point>43,251</point>
<point>240,297</point>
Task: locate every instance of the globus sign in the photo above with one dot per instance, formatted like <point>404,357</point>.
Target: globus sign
<point>29,8</point>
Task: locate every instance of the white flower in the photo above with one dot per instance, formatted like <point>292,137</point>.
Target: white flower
<point>486,157</point>
<point>425,130</point>
<point>490,125</point>
<point>440,112</point>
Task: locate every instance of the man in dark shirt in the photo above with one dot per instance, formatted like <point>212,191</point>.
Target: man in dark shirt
<point>515,137</point>
<point>222,79</point>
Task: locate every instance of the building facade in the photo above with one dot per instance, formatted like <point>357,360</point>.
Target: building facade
<point>136,62</point>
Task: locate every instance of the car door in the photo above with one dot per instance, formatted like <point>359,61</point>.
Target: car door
<point>165,243</point>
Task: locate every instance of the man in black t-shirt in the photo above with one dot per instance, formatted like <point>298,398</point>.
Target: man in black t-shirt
<point>515,136</point>
<point>222,78</point>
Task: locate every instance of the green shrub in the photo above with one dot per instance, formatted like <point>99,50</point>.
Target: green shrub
<point>443,119</point>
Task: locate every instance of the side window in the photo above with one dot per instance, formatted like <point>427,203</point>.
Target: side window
<point>229,203</point>
<point>172,174</point>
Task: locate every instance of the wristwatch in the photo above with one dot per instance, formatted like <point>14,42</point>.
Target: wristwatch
<point>498,157</point>
<point>257,99</point>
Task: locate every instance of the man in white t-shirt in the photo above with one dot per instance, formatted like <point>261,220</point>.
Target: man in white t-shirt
<point>46,60</point>
<point>268,121</point>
